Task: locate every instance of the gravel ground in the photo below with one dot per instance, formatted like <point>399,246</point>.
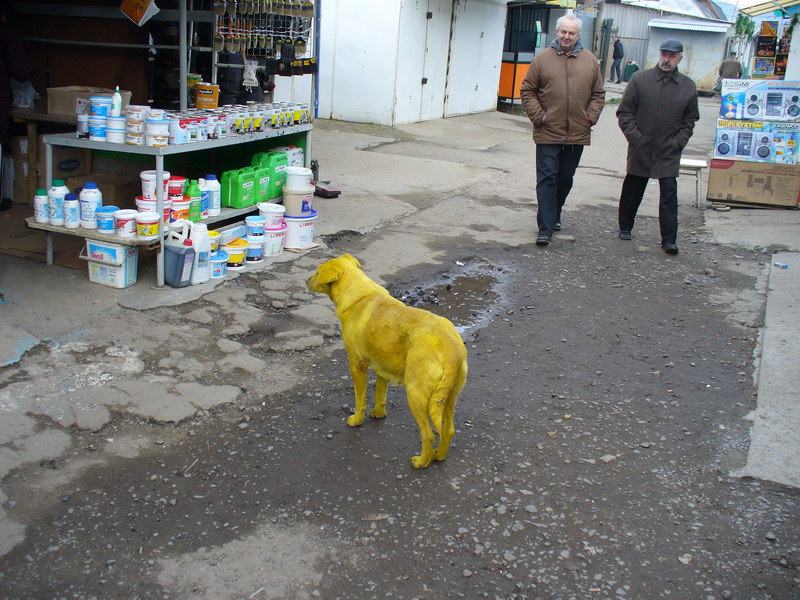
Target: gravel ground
<point>603,415</point>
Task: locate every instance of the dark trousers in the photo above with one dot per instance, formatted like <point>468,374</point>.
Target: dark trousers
<point>555,169</point>
<point>632,192</point>
<point>616,66</point>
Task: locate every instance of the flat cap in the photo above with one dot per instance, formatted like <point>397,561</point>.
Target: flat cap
<point>671,45</point>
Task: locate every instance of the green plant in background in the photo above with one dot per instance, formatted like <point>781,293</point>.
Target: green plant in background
<point>745,27</point>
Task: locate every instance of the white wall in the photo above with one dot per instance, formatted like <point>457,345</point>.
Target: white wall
<point>475,55</point>
<point>410,61</point>
<point>793,63</point>
<point>358,53</point>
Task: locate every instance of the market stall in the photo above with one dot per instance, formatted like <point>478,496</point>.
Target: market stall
<point>241,167</point>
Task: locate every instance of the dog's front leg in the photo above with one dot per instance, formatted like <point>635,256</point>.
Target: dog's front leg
<point>381,390</point>
<point>358,371</point>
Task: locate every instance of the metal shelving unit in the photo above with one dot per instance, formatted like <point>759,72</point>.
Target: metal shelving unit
<point>69,140</point>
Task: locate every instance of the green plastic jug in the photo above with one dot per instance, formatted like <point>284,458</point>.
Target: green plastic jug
<point>275,163</point>
<point>244,189</point>
<point>227,191</point>
<point>261,177</point>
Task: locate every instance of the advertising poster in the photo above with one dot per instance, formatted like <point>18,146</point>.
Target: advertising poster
<point>766,46</point>
<point>781,60</point>
<point>769,29</point>
<point>763,67</point>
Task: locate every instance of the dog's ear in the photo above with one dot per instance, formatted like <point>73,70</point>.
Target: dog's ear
<point>327,273</point>
<point>352,259</point>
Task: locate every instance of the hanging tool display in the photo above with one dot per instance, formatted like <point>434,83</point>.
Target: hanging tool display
<point>275,31</point>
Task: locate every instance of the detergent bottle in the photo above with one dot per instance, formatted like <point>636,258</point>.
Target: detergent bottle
<point>195,201</point>
<point>201,269</point>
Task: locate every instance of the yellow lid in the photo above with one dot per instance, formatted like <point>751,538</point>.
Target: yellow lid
<point>237,244</point>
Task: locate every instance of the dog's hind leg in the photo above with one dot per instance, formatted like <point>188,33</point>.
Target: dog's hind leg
<point>381,390</point>
<point>358,371</point>
<point>447,428</point>
<point>418,404</point>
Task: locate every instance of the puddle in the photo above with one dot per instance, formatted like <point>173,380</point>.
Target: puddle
<point>467,297</point>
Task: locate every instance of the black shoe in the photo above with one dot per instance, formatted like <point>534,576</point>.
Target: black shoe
<point>617,82</point>
<point>624,235</point>
<point>670,248</point>
<point>557,226</point>
<point>543,239</point>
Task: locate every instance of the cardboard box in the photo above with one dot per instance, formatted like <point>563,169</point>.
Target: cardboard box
<point>116,190</point>
<point>753,183</point>
<point>67,162</point>
<point>74,99</point>
<point>760,99</point>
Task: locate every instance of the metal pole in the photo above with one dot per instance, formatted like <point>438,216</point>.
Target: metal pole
<point>162,224</point>
<point>48,165</point>
<point>182,56</point>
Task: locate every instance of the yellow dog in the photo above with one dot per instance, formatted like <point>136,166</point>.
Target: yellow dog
<point>403,345</point>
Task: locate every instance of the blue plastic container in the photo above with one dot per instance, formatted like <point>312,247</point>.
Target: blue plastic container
<point>256,225</point>
<point>104,215</point>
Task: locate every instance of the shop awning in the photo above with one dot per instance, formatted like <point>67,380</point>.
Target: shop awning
<point>690,25</point>
<point>775,6</point>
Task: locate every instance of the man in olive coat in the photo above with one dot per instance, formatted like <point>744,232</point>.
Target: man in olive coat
<point>657,115</point>
<point>563,96</point>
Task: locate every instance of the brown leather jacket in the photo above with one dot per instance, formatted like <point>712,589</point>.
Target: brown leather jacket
<point>563,95</point>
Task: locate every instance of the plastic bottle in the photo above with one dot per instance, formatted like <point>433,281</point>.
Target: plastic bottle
<point>41,208</point>
<point>71,211</point>
<point>91,199</point>
<point>195,201</point>
<point>116,104</point>
<point>55,201</point>
<point>201,183</point>
<point>201,269</point>
<point>214,195</point>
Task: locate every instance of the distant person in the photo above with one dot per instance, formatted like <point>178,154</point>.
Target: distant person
<point>657,115</point>
<point>616,64</point>
<point>563,96</point>
<point>730,68</point>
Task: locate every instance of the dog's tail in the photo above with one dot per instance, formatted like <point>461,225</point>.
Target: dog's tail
<point>443,404</point>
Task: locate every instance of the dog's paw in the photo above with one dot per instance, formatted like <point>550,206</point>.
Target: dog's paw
<point>355,420</point>
<point>419,463</point>
<point>378,413</point>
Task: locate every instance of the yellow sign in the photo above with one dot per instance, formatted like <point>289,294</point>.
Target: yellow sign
<point>562,3</point>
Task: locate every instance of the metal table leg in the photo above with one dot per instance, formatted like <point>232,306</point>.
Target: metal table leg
<point>162,225</point>
<point>49,237</point>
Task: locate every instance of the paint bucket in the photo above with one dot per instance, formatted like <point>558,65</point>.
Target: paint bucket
<point>97,129</point>
<point>134,125</point>
<point>136,111</point>
<point>255,225</point>
<point>125,222</point>
<point>116,123</point>
<point>156,126</point>
<point>104,215</point>
<point>298,201</point>
<point>176,185</point>
<point>213,237</point>
<point>255,248</point>
<point>275,236</point>
<point>99,106</point>
<point>115,136</point>
<point>83,127</point>
<point>273,212</point>
<point>157,140</point>
<point>180,210</point>
<point>149,184</point>
<point>237,250</point>
<point>300,230</point>
<point>219,264</point>
<point>156,113</point>
<point>298,178</point>
<point>134,139</point>
<point>152,206</point>
<point>147,225</point>
<point>206,95</point>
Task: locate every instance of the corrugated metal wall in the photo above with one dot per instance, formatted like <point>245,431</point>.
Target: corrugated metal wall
<point>631,25</point>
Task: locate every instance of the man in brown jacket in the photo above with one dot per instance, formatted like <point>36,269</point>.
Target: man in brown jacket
<point>563,96</point>
<point>657,115</point>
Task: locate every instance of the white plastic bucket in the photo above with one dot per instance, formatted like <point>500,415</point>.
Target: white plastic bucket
<point>255,248</point>
<point>115,136</point>
<point>274,238</point>
<point>156,127</point>
<point>180,210</point>
<point>152,205</point>
<point>300,231</point>
<point>97,129</point>
<point>134,125</point>
<point>125,223</point>
<point>147,225</point>
<point>255,225</point>
<point>298,178</point>
<point>298,201</point>
<point>116,123</point>
<point>273,212</point>
<point>157,140</point>
<point>104,216</point>
<point>99,106</point>
<point>137,111</point>
<point>149,184</point>
<point>219,264</point>
<point>134,139</point>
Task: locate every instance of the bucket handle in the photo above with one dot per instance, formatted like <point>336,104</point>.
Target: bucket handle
<point>85,256</point>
